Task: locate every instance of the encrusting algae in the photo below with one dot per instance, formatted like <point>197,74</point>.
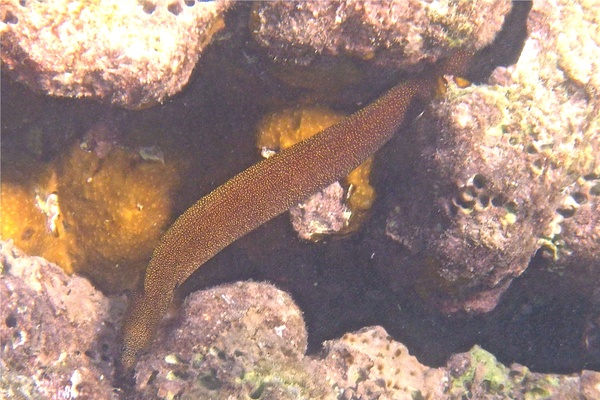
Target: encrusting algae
<point>264,191</point>
<point>100,217</point>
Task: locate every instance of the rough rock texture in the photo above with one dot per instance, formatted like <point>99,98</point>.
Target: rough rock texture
<point>542,120</point>
<point>577,256</point>
<point>575,249</point>
<point>323,213</point>
<point>500,168</point>
<point>57,332</point>
<point>399,33</point>
<point>369,364</point>
<point>245,339</point>
<point>477,374</point>
<point>129,53</point>
<point>248,340</point>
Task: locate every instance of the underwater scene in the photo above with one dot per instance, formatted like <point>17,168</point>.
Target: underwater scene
<point>349,199</point>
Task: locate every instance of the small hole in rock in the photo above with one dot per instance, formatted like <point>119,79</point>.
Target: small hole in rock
<point>183,375</point>
<point>595,190</point>
<point>498,201</point>
<point>152,377</point>
<point>530,149</point>
<point>11,321</point>
<point>591,177</point>
<point>258,392</point>
<point>22,3</point>
<point>174,8</point>
<point>566,212</point>
<point>479,181</point>
<point>511,206</point>
<point>10,18</point>
<point>210,380</point>
<point>149,7</point>
<point>580,198</point>
<point>189,3</point>
<point>464,204</point>
<point>484,200</point>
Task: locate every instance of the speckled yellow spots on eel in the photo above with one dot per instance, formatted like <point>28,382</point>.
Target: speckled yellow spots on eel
<point>262,192</point>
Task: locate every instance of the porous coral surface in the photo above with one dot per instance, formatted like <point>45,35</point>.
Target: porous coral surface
<point>500,169</point>
<point>129,53</point>
<point>369,364</point>
<point>60,340</point>
<point>57,332</point>
<point>99,217</point>
<point>334,282</point>
<point>245,339</point>
<point>401,33</point>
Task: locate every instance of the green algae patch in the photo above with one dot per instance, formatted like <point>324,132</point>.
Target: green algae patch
<point>484,371</point>
<point>289,381</point>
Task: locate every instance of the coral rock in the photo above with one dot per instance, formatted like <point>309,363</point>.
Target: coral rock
<point>477,374</point>
<point>129,53</point>
<point>498,176</point>
<point>399,33</point>
<point>245,339</point>
<point>57,332</point>
<point>369,364</point>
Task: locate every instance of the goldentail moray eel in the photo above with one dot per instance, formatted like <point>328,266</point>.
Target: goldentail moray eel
<point>264,191</point>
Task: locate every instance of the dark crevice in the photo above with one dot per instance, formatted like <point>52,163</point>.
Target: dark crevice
<point>506,47</point>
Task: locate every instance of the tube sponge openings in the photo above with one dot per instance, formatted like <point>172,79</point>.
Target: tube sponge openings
<point>264,191</point>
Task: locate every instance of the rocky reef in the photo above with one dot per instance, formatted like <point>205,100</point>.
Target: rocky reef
<point>485,230</point>
<point>129,53</point>
<point>399,33</point>
<point>505,170</point>
<point>57,332</point>
<point>246,339</point>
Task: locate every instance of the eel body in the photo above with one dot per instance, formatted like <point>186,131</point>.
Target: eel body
<point>260,193</point>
